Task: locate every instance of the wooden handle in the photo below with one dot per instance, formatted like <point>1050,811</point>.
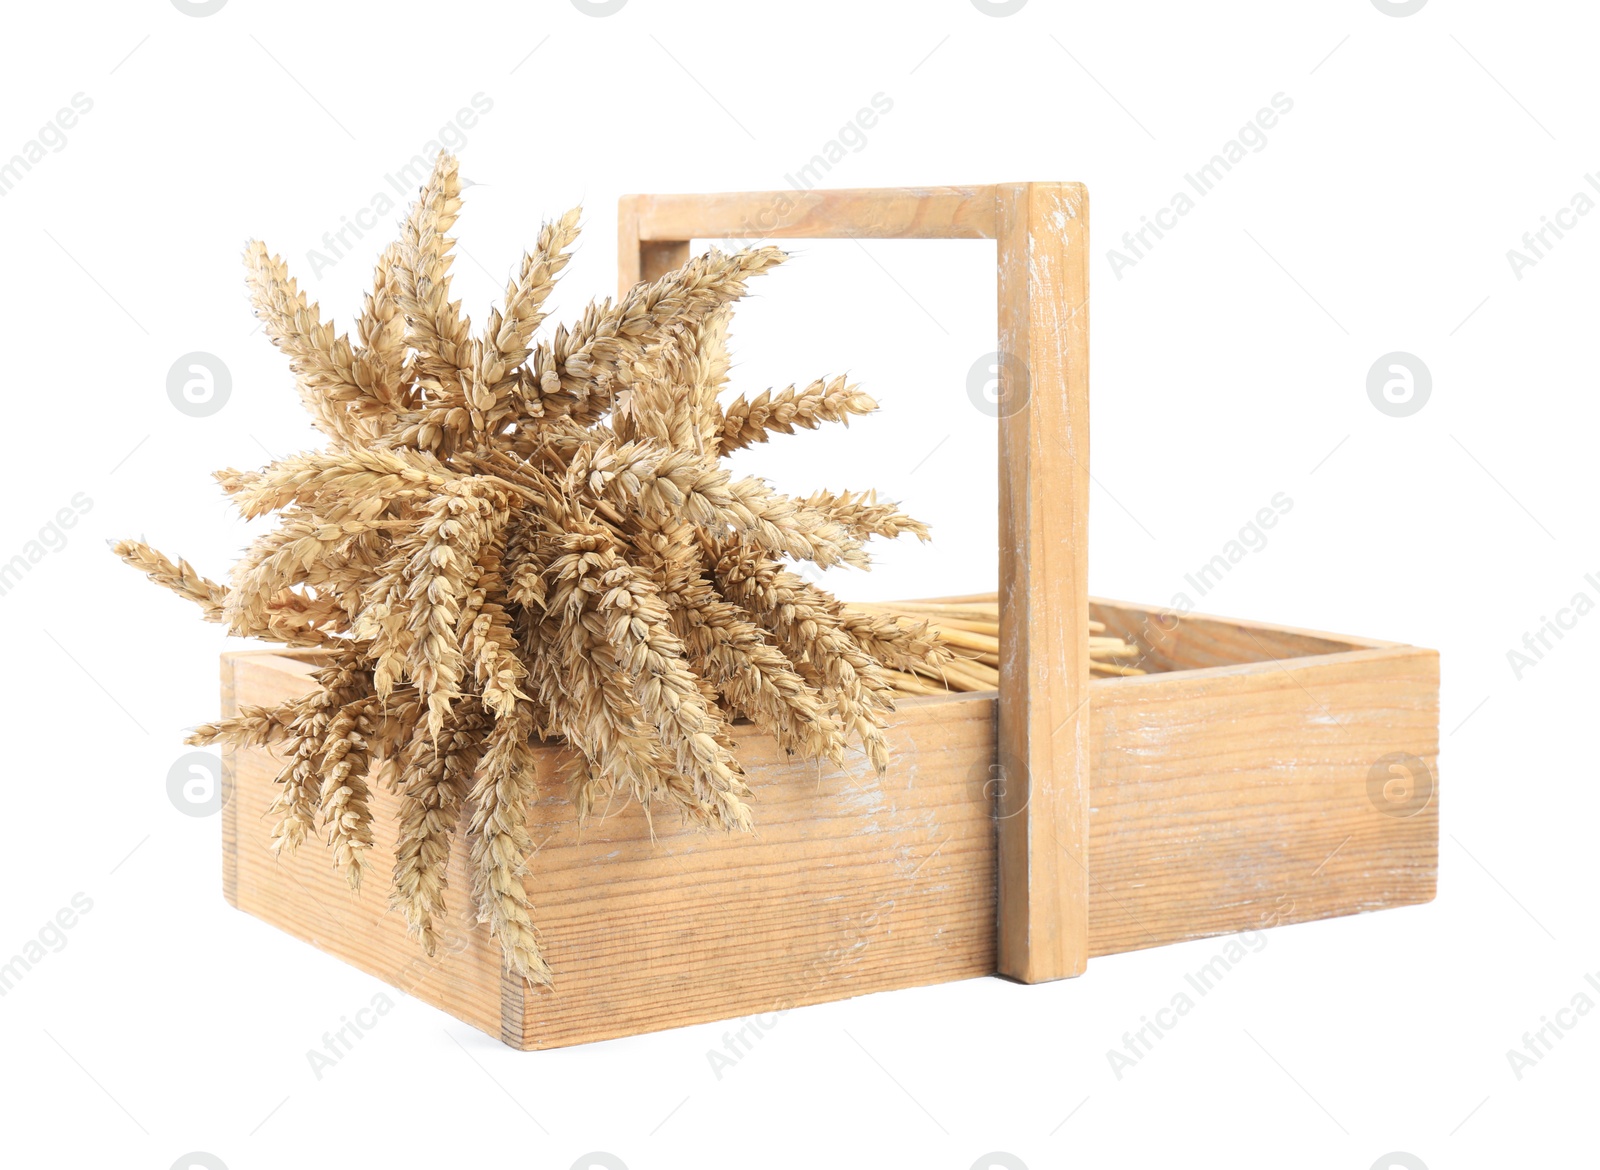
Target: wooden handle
<point>1044,589</point>
<point>1041,776</point>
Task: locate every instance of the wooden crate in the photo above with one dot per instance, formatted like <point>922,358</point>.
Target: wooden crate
<point>1259,775</point>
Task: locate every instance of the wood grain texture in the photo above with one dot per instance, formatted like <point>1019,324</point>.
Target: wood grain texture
<point>1221,799</point>
<point>1043,238</point>
<point>1235,797</point>
<point>944,213</point>
<point>855,883</point>
<point>1171,641</point>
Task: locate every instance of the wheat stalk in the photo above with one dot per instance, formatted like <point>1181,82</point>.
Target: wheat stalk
<point>970,631</point>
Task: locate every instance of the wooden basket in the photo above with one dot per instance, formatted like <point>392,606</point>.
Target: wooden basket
<point>1259,775</point>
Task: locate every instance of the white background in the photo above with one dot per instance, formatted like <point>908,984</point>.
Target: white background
<point>1229,365</point>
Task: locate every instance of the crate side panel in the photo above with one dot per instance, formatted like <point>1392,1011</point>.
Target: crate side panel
<point>1168,642</point>
<point>1230,801</point>
<point>852,883</point>
<point>300,893</point>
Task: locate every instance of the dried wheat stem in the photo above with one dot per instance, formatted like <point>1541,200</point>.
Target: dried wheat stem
<point>344,796</point>
<point>181,577</point>
<point>323,361</point>
<point>506,785</point>
<point>831,400</point>
<point>435,777</point>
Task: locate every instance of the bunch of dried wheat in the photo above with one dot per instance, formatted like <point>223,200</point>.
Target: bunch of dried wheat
<point>506,540</point>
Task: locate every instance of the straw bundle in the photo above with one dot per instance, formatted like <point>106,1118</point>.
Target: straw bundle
<point>971,628</point>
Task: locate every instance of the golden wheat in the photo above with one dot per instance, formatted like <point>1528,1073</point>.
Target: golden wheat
<point>509,540</point>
